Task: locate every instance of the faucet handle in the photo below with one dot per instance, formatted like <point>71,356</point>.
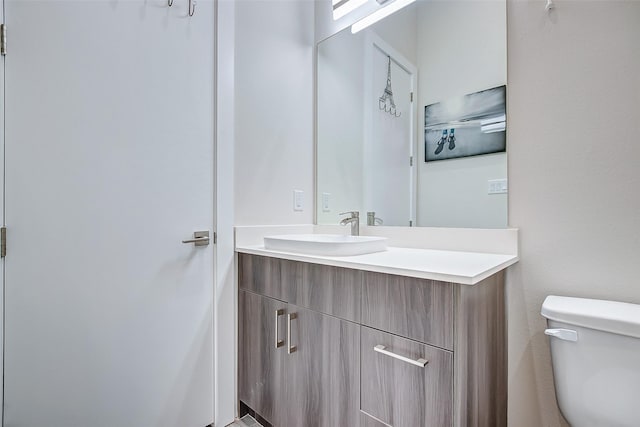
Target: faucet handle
<point>372,219</point>
<point>354,214</point>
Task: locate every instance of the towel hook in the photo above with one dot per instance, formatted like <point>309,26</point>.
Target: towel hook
<point>192,7</point>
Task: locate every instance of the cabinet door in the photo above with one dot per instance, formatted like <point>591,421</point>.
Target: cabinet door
<point>261,362</point>
<point>399,392</point>
<point>323,373</point>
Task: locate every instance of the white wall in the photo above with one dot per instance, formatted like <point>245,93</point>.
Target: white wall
<point>573,104</point>
<point>453,193</point>
<point>462,50</point>
<point>400,32</point>
<point>342,77</point>
<point>274,111</point>
<point>340,125</point>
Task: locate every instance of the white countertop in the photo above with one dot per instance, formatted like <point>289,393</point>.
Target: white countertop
<point>467,268</point>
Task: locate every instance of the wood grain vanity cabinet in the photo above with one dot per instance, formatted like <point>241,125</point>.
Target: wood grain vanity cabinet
<point>302,369</point>
<point>332,347</point>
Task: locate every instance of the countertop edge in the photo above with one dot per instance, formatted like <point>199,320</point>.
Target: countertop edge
<point>420,274</point>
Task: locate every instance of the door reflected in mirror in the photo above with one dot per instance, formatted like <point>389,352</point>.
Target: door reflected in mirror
<point>426,83</point>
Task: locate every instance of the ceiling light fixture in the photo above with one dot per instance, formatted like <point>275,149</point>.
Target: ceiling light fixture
<point>342,7</point>
<point>379,14</point>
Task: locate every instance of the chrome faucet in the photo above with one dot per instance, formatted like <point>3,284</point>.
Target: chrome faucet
<point>354,220</point>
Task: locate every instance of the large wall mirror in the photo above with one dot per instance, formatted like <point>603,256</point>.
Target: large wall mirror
<point>411,118</point>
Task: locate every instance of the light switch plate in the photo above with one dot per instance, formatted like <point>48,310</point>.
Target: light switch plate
<point>325,202</point>
<point>497,186</point>
<point>298,200</point>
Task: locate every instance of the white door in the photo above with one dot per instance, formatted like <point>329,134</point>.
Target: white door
<point>389,180</point>
<point>109,166</point>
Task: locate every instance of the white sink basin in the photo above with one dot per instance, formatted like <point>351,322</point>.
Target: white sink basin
<point>326,244</point>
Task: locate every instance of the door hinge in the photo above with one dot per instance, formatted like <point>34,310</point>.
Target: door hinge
<point>3,242</point>
<point>410,160</point>
<point>215,237</point>
<point>411,96</point>
<point>410,223</point>
<point>3,39</point>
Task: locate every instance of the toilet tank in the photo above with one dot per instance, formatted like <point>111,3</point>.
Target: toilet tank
<point>595,351</point>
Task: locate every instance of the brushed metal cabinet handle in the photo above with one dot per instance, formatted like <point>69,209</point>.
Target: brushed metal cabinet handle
<point>279,343</point>
<point>290,317</point>
<point>382,349</point>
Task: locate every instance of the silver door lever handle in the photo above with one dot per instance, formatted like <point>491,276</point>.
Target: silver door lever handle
<point>200,238</point>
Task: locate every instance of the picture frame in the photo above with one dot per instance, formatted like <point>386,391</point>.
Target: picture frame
<point>469,125</point>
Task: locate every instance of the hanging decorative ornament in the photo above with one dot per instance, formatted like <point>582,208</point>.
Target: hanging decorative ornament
<point>385,102</point>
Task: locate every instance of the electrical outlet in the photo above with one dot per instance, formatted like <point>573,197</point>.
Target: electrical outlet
<point>325,202</point>
<point>298,200</point>
<point>498,186</point>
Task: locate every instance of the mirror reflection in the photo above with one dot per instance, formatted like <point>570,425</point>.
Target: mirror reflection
<point>411,118</point>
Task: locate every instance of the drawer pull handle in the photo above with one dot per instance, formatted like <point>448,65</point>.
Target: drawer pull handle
<point>279,343</point>
<point>382,349</point>
<point>290,317</point>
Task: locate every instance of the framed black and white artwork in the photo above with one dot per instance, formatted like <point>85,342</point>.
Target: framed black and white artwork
<point>469,125</point>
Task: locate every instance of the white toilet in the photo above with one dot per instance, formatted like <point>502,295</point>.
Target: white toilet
<point>595,351</point>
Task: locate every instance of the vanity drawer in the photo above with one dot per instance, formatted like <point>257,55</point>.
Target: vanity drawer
<point>330,290</point>
<point>262,275</point>
<point>400,393</point>
<point>414,308</point>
